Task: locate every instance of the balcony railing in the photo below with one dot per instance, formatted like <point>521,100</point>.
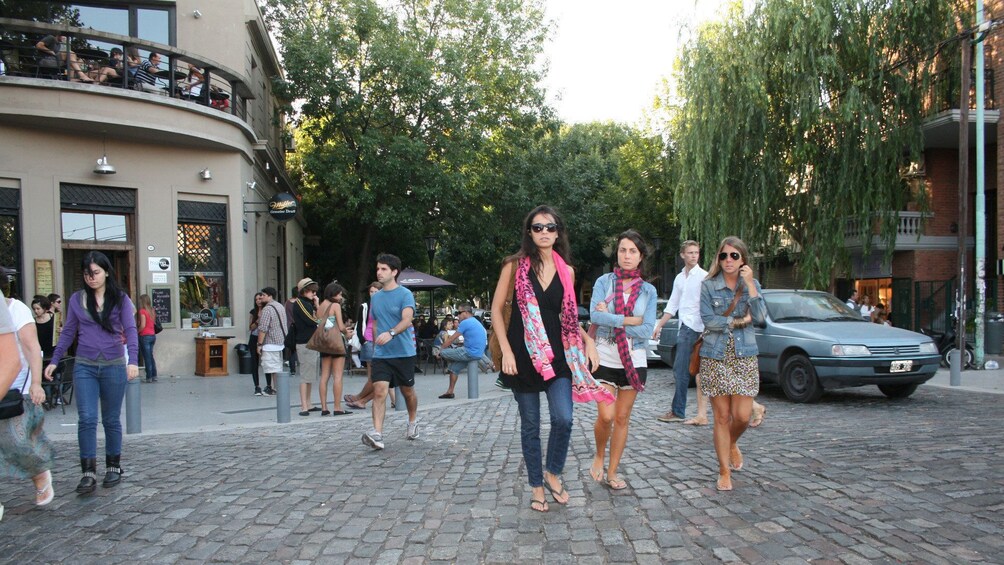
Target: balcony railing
<point>946,86</point>
<point>909,226</point>
<point>17,46</point>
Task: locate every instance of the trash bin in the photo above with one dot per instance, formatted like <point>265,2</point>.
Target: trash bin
<point>995,334</point>
<point>245,364</point>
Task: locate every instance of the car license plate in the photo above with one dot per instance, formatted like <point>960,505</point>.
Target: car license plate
<point>901,366</point>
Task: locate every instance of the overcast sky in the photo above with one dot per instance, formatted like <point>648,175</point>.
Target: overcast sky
<point>607,59</point>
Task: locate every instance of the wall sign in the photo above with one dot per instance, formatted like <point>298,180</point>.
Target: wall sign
<point>43,276</point>
<point>282,206</point>
<point>157,264</point>
<point>160,297</point>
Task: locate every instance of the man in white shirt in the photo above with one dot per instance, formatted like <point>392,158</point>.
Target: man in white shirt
<point>686,302</point>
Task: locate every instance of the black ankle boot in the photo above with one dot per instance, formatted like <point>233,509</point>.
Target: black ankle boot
<point>90,479</point>
<point>113,472</point>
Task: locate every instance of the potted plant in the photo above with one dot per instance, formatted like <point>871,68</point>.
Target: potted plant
<point>223,313</point>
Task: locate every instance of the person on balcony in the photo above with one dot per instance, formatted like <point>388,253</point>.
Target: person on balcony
<point>192,87</point>
<point>54,52</point>
<point>146,78</point>
<point>112,71</point>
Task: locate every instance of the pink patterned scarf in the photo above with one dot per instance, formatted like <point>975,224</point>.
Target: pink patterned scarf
<point>584,387</point>
<point>632,281</point>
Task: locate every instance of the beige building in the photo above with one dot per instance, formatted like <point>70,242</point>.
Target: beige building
<point>184,216</point>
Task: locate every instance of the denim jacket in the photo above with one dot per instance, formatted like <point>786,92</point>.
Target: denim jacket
<point>603,289</point>
<point>715,300</point>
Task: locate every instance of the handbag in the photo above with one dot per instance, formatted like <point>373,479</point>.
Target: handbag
<point>327,340</point>
<point>695,353</point>
<point>493,339</point>
<point>12,404</point>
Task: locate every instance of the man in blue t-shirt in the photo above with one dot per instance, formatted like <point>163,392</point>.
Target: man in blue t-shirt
<point>394,348</point>
<point>475,339</point>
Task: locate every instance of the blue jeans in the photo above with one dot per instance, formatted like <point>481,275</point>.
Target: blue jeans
<point>146,343</point>
<point>107,383</point>
<point>458,357</point>
<point>559,403</point>
<point>681,367</point>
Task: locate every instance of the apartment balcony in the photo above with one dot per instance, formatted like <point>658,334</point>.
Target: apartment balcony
<point>910,233</point>
<point>220,119</point>
<point>942,108</point>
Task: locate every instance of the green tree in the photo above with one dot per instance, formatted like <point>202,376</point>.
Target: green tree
<point>799,115</point>
<point>401,102</point>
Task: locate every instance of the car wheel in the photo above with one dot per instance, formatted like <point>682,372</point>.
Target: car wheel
<point>898,391</point>
<point>946,357</point>
<point>798,380</point>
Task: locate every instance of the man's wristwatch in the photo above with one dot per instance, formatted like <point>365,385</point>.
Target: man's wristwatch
<point>391,332</point>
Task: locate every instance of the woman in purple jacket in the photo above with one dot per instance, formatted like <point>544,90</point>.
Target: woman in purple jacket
<point>101,317</point>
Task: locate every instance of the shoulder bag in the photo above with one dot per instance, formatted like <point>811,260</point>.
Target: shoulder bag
<point>493,340</point>
<point>325,340</point>
<point>695,353</point>
<point>12,404</point>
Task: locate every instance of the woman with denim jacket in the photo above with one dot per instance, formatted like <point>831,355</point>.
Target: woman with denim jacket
<point>623,310</point>
<point>729,370</point>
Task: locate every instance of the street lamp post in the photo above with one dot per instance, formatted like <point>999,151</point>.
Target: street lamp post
<point>657,243</point>
<point>430,247</point>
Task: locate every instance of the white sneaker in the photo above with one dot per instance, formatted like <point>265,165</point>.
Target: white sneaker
<point>373,439</point>
<point>413,430</point>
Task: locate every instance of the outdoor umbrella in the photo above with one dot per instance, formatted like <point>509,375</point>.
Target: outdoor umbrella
<point>417,280</point>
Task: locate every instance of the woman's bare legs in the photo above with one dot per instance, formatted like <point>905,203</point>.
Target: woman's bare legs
<point>732,415</point>
<point>602,430</point>
<point>326,366</point>
<point>701,419</point>
<point>338,366</point>
<point>618,440</point>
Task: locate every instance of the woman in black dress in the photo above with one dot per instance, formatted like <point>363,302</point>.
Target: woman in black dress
<point>543,347</point>
<point>45,323</point>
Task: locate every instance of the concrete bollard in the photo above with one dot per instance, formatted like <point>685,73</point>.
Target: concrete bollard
<point>282,397</point>
<point>472,378</point>
<point>134,411</point>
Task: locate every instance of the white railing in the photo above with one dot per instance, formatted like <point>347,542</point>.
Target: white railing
<point>910,225</point>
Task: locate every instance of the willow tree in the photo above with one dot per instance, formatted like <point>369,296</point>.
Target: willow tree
<point>401,103</point>
<point>799,115</point>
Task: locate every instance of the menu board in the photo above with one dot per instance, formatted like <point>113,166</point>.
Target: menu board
<point>43,277</point>
<point>160,296</point>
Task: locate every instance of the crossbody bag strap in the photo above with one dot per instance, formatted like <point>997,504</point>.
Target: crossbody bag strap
<point>735,301</point>
<point>279,319</point>
<point>304,310</point>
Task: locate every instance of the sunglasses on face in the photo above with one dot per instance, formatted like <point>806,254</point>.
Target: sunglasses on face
<point>735,256</point>
<point>551,228</point>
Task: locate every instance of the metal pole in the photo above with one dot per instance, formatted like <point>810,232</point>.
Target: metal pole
<point>472,379</point>
<point>960,307</point>
<point>134,410</point>
<point>981,221</point>
<point>282,397</point>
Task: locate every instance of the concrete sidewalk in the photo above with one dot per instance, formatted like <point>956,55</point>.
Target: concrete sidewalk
<point>177,404</point>
<point>974,380</point>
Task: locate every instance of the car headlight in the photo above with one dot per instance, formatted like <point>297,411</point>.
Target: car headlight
<point>928,347</point>
<point>850,350</point>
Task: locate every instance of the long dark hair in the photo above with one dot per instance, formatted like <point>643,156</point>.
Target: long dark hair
<point>639,242</point>
<point>333,290</point>
<point>528,249</point>
<point>113,292</point>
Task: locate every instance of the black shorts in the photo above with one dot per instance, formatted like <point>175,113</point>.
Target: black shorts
<point>618,377</point>
<point>398,371</point>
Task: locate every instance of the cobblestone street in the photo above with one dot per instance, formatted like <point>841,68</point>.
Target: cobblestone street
<point>854,479</point>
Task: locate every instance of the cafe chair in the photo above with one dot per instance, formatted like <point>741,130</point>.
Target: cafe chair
<point>59,391</point>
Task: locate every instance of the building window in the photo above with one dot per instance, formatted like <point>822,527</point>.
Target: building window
<point>202,263</point>
<point>85,226</point>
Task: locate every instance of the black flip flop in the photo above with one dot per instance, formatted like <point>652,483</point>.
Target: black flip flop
<point>305,413</point>
<point>340,413</point>
<point>556,493</point>
<point>446,396</point>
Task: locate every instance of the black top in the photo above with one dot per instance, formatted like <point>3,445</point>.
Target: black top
<point>527,378</point>
<point>303,325</point>
<point>45,335</point>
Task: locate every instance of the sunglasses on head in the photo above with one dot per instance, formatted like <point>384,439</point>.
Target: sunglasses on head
<point>735,256</point>
<point>551,228</point>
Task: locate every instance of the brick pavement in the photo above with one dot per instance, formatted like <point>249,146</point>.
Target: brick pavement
<point>853,479</point>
